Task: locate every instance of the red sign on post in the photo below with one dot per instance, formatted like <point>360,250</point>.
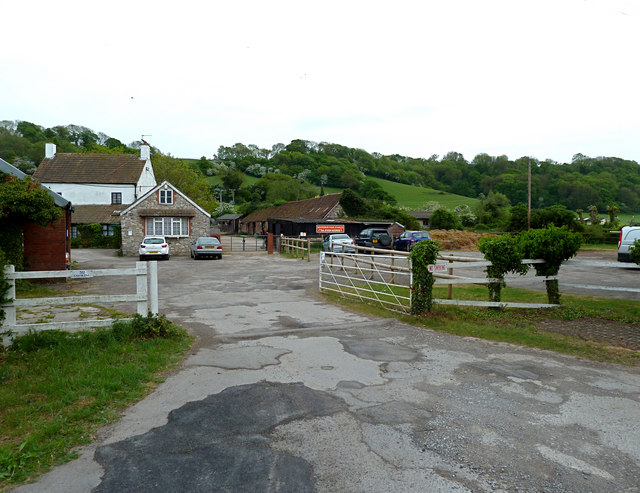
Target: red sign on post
<point>437,268</point>
<point>329,228</point>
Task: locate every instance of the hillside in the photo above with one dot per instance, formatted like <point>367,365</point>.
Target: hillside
<point>408,196</point>
<point>585,182</point>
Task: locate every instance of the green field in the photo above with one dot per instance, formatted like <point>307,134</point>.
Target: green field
<point>415,197</point>
<point>407,196</point>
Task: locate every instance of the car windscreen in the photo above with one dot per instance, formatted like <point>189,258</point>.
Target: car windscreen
<point>421,235</point>
<point>208,241</point>
<point>378,234</point>
<point>340,237</point>
<point>153,241</point>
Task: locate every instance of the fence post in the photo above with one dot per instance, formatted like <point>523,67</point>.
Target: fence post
<point>308,250</point>
<point>153,286</point>
<point>450,285</point>
<point>10,310</point>
<point>393,272</point>
<point>141,288</point>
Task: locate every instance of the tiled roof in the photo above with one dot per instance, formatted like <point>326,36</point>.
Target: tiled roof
<point>90,168</point>
<point>101,214</point>
<point>317,208</point>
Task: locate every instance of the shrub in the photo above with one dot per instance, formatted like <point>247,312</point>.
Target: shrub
<point>90,236</point>
<point>444,219</point>
<point>424,252</point>
<point>554,246</point>
<point>505,256</point>
<point>4,284</point>
<point>634,252</point>
<point>147,327</point>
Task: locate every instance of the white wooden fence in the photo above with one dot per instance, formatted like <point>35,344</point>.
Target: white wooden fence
<point>378,275</point>
<point>146,296</point>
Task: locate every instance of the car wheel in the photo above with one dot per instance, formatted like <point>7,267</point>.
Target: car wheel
<point>219,257</point>
<point>141,258</point>
<point>166,257</point>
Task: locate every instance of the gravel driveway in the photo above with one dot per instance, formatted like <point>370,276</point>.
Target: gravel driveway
<point>283,392</point>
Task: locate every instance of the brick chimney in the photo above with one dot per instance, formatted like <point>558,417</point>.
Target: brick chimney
<point>49,151</point>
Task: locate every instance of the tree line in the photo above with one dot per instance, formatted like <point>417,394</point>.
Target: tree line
<point>585,181</point>
<point>600,182</point>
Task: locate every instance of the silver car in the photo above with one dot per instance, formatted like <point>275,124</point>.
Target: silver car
<point>628,236</point>
<point>206,246</point>
<point>341,243</point>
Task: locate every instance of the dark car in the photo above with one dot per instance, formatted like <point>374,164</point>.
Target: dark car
<point>206,246</point>
<point>409,238</point>
<point>374,238</point>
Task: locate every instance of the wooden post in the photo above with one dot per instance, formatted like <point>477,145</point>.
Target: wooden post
<point>141,288</point>
<point>10,310</point>
<point>450,285</point>
<point>393,272</point>
<point>308,250</point>
<point>153,286</point>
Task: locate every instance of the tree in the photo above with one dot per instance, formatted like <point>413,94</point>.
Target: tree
<point>231,179</point>
<point>554,246</point>
<point>505,256</point>
<point>353,205</point>
<point>613,213</point>
<point>444,219</point>
<point>22,200</point>
<point>493,209</point>
<point>186,179</point>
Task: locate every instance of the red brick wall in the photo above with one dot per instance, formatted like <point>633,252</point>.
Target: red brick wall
<point>45,248</point>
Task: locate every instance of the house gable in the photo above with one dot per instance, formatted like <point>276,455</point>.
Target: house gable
<point>179,219</point>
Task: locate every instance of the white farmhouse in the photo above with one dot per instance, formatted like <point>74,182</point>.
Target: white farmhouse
<point>100,186</point>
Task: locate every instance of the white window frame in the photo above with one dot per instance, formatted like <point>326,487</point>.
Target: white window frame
<point>167,226</point>
<point>108,230</point>
<point>165,197</point>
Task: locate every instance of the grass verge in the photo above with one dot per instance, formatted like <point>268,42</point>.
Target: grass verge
<point>58,388</point>
<point>520,326</point>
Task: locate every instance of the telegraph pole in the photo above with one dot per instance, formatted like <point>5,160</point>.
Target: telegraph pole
<point>529,209</point>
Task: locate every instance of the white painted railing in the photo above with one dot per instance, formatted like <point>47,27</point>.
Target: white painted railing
<point>376,277</point>
<point>146,296</point>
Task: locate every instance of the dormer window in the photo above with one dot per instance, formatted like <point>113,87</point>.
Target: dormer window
<point>166,196</point>
<point>116,198</point>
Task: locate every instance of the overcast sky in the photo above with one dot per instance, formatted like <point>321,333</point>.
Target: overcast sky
<point>541,78</point>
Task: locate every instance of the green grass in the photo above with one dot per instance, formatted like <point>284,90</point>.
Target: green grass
<point>519,326</point>
<point>415,197</point>
<point>407,195</point>
<point>58,388</point>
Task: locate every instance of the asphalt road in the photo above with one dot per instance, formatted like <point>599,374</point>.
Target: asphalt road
<point>285,393</point>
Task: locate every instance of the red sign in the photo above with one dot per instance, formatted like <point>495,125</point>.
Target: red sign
<point>329,228</point>
<point>437,268</point>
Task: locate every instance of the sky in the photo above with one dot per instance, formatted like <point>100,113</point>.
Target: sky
<point>540,78</point>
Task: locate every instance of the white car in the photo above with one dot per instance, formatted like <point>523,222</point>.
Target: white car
<point>340,243</point>
<point>628,236</point>
<point>154,247</point>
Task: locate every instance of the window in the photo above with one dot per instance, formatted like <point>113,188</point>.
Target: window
<point>167,226</point>
<point>166,196</point>
<point>116,198</point>
<point>74,231</point>
<point>107,230</point>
